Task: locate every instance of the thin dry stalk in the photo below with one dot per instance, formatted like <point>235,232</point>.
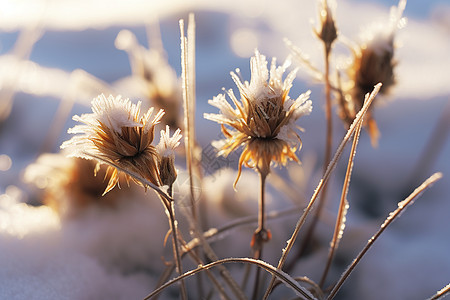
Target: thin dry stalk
<point>168,204</point>
<point>441,293</point>
<point>314,286</point>
<point>323,181</point>
<point>392,216</point>
<point>328,145</point>
<point>187,83</point>
<point>211,255</point>
<point>284,277</point>
<point>261,235</point>
<point>186,249</point>
<point>170,211</point>
<point>343,207</point>
<point>189,98</point>
<point>21,51</point>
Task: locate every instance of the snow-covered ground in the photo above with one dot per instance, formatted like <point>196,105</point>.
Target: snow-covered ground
<point>115,252</point>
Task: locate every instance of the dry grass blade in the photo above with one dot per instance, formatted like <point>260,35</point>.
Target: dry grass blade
<point>392,216</point>
<point>187,71</point>
<point>322,182</point>
<point>343,206</point>
<point>285,278</point>
<point>328,145</point>
<point>188,75</point>
<point>441,293</point>
<point>212,256</point>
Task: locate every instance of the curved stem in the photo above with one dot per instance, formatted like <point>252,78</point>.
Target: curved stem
<point>285,278</point>
<point>392,216</point>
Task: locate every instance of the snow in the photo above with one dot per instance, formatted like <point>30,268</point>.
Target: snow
<point>116,253</point>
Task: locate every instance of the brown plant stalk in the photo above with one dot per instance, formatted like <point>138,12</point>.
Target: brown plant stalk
<point>322,182</point>
<point>284,277</point>
<point>343,206</point>
<point>392,216</point>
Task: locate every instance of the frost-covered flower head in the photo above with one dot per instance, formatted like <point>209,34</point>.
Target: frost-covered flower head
<point>373,62</point>
<point>166,153</point>
<point>116,132</point>
<point>263,120</point>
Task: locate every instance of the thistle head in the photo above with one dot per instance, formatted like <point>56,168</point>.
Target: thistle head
<point>373,62</point>
<point>263,119</point>
<point>116,132</point>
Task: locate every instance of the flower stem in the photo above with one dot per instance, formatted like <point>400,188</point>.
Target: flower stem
<point>261,234</point>
<point>176,253</point>
<point>322,182</point>
<point>329,144</point>
<point>343,206</point>
<point>392,216</point>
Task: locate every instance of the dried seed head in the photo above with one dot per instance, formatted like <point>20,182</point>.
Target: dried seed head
<point>69,185</point>
<point>327,31</point>
<point>117,133</point>
<point>166,153</point>
<point>373,62</point>
<point>263,120</point>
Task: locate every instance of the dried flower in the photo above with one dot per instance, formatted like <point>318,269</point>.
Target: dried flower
<point>68,184</point>
<point>153,76</point>
<point>117,133</point>
<point>166,153</point>
<point>263,121</point>
<point>373,62</point>
<point>327,31</point>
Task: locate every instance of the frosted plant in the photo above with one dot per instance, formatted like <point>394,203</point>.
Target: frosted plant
<point>116,132</point>
<point>263,121</point>
<point>373,62</point>
<point>166,153</point>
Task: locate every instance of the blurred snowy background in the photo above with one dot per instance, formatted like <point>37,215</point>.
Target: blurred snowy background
<point>55,56</point>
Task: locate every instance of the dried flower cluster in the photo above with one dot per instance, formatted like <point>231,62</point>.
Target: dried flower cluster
<point>263,121</point>
<point>117,133</point>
